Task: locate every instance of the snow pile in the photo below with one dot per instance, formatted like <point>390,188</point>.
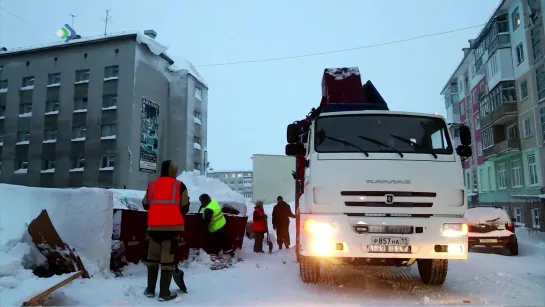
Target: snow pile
<point>196,185</point>
<point>483,214</point>
<point>342,73</point>
<point>530,242</point>
<point>82,217</point>
<point>179,64</point>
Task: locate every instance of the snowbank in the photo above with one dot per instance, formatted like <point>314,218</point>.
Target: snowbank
<point>82,217</point>
<point>196,185</point>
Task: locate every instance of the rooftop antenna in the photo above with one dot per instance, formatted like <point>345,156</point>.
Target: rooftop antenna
<point>106,20</point>
<point>72,24</point>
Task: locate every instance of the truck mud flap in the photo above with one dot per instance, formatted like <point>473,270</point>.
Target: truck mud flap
<point>60,256</point>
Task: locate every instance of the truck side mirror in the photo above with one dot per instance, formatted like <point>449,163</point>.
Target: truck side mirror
<point>295,149</point>
<point>464,151</point>
<point>465,135</point>
<point>292,133</point>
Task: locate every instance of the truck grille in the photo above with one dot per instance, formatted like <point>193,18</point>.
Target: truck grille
<point>389,199</point>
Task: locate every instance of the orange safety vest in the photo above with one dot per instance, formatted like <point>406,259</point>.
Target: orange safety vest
<point>164,203</point>
<point>260,225</point>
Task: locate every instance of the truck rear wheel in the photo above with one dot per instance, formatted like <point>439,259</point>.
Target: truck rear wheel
<point>309,269</point>
<point>433,271</point>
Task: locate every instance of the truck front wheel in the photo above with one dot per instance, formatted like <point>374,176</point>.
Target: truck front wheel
<point>309,269</point>
<point>433,271</point>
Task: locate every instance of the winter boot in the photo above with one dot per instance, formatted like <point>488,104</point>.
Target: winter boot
<point>179,279</point>
<point>164,287</point>
<point>153,273</point>
<point>279,246</point>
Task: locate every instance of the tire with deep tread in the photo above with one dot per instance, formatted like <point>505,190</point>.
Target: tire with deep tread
<point>433,271</point>
<point>513,247</point>
<point>309,269</point>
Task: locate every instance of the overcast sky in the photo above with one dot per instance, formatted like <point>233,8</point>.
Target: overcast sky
<point>251,104</point>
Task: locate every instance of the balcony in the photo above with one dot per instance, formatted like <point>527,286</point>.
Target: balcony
<point>504,114</point>
<point>499,41</point>
<point>501,148</point>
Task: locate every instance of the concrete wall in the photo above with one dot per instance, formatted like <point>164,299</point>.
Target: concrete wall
<point>526,111</point>
<point>272,177</point>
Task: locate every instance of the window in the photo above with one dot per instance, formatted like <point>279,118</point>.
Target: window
<point>197,166</point>
<point>53,79</point>
<point>197,140</point>
<point>3,85</point>
<point>77,162</point>
<point>48,164</point>
<point>527,128</point>
<point>80,104</point>
<point>109,130</point>
<point>82,75</point>
<point>516,174</point>
<point>50,135</point>
<point>512,132</point>
<point>478,122</point>
<point>523,90</point>
<point>540,81</point>
<point>25,108</point>
<point>197,114</point>
<point>28,81</point>
<point>487,138</point>
<point>468,181</point>
<point>109,101</point>
<point>532,169</point>
<point>479,148</point>
<point>2,111</point>
<point>542,116</point>
<point>1,138</point>
<point>22,164</point>
<point>23,136</point>
<point>482,179</point>
<point>520,53</point>
<point>518,216</point>
<point>111,72</point>
<point>107,161</point>
<point>52,106</point>
<point>198,93</point>
<point>406,134</point>
<point>79,132</point>
<point>502,176</point>
<point>536,43</point>
<point>515,19</point>
<point>535,217</point>
<point>239,175</point>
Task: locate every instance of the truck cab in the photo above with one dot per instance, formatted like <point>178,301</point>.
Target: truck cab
<point>374,186</point>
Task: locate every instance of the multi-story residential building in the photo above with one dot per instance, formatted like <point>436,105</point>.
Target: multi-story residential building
<point>497,85</point>
<point>239,181</point>
<point>98,112</point>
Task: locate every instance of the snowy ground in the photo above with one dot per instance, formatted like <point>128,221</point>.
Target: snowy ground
<point>485,279</point>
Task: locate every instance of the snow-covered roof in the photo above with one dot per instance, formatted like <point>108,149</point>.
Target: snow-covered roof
<point>154,46</point>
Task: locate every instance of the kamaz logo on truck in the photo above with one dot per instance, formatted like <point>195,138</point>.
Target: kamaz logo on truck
<point>389,181</point>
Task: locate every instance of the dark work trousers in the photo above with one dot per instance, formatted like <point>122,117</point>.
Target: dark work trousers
<point>162,249</point>
<point>220,241</point>
<point>258,241</point>
<point>283,236</point>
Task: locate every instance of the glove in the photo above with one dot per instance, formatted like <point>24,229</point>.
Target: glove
<point>265,216</point>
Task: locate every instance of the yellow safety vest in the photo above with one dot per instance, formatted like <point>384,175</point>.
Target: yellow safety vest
<point>218,219</point>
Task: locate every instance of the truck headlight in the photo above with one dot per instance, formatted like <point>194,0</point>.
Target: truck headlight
<point>455,230</point>
<point>320,228</point>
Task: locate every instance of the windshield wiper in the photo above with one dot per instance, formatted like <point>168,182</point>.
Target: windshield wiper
<point>346,143</point>
<point>493,220</point>
<point>415,144</point>
<point>381,144</point>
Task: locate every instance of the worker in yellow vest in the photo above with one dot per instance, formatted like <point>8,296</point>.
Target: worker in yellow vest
<point>215,222</point>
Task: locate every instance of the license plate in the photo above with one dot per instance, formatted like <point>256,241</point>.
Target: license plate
<point>390,240</point>
<point>388,249</point>
<point>488,240</point>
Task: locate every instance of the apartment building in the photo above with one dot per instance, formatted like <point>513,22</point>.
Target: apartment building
<point>98,112</point>
<point>496,90</point>
<point>239,181</point>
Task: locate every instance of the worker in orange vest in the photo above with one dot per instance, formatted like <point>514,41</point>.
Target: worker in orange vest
<point>259,226</point>
<point>167,202</point>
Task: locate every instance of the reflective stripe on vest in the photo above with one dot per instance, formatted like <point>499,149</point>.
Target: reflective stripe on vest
<point>218,219</point>
<point>164,203</point>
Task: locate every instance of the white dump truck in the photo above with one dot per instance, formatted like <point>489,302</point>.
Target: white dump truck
<point>374,186</point>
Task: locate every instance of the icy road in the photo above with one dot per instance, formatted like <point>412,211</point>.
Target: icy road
<point>484,279</point>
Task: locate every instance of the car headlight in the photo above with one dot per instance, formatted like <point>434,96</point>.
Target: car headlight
<point>455,229</point>
<point>325,228</point>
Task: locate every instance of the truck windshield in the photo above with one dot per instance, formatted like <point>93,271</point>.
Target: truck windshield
<point>397,133</point>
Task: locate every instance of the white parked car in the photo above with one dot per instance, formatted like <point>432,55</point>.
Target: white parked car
<point>491,227</point>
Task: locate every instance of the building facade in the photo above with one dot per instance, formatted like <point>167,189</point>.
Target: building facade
<point>98,112</point>
<point>496,89</point>
<point>239,181</point>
